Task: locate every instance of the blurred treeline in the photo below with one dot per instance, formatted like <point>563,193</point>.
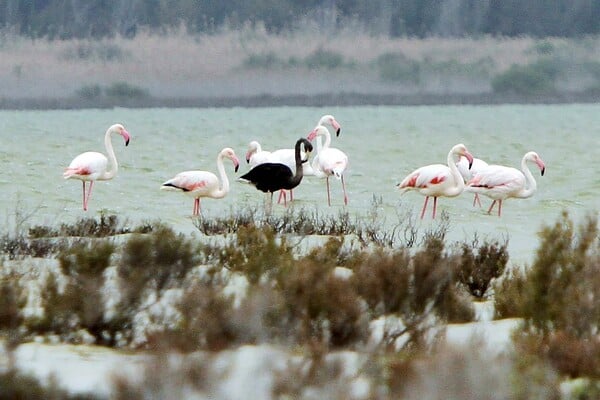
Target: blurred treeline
<point>64,19</point>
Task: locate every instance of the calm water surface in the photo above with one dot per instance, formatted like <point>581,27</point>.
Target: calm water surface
<point>383,144</point>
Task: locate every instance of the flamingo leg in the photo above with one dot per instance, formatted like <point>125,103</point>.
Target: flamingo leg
<point>499,208</point>
<point>281,195</point>
<point>84,204</point>
<point>291,195</point>
<point>344,190</point>
<point>476,200</point>
<point>87,197</point>
<point>491,207</point>
<point>424,207</point>
<point>434,207</point>
<point>328,195</point>
<point>284,197</point>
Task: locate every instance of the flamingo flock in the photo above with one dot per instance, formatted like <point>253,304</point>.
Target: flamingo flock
<point>284,169</point>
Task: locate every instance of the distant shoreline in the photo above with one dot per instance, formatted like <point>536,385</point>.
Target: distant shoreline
<point>320,100</point>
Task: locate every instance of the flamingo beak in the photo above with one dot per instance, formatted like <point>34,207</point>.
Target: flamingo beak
<point>469,158</point>
<point>126,136</point>
<point>540,165</point>
<point>236,163</point>
<point>248,158</point>
<point>336,126</point>
<point>312,135</point>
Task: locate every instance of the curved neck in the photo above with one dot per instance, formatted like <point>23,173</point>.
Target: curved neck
<point>327,140</point>
<point>298,159</point>
<point>530,183</point>
<point>114,166</point>
<point>459,182</point>
<point>224,189</point>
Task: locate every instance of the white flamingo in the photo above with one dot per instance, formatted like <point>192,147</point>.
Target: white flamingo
<point>92,166</point>
<point>199,184</point>
<point>468,173</point>
<point>499,182</point>
<point>328,161</point>
<point>256,155</point>
<point>437,180</point>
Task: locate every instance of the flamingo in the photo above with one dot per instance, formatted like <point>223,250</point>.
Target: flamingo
<point>256,155</point>
<point>499,182</point>
<point>270,177</point>
<point>437,180</point>
<point>92,166</point>
<point>468,173</point>
<point>329,161</point>
<point>199,184</point>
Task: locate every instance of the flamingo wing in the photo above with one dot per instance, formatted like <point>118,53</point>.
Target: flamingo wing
<point>497,179</point>
<point>193,182</point>
<point>332,161</point>
<point>268,177</point>
<point>87,166</point>
<point>427,177</point>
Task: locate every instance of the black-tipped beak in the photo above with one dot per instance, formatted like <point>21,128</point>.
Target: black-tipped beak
<point>126,142</point>
<point>337,133</point>
<point>543,170</point>
<point>470,164</point>
<point>237,166</point>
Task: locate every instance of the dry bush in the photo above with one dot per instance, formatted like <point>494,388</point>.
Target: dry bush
<point>559,301</point>
<point>481,264</point>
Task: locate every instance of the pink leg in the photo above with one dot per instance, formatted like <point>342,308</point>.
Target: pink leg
<point>344,190</point>
<point>84,203</point>
<point>499,208</point>
<point>424,206</point>
<point>89,193</point>
<point>291,195</point>
<point>434,206</point>
<point>328,195</point>
<point>491,207</point>
<point>476,200</point>
<point>281,195</point>
<point>196,207</point>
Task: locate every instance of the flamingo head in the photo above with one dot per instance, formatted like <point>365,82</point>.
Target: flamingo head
<point>253,147</point>
<point>308,147</point>
<point>319,130</point>
<point>461,150</point>
<point>330,119</point>
<point>120,129</point>
<point>534,157</point>
<point>229,153</point>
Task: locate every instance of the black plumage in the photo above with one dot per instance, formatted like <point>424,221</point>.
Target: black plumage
<point>271,177</point>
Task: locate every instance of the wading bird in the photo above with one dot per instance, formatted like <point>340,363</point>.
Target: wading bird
<point>271,177</point>
<point>92,166</point>
<point>468,173</point>
<point>499,182</point>
<point>328,161</point>
<point>198,184</point>
<point>438,180</point>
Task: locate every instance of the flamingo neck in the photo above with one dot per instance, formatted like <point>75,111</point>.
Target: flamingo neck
<point>112,159</point>
<point>224,189</point>
<point>459,182</point>
<point>298,159</point>
<point>530,183</point>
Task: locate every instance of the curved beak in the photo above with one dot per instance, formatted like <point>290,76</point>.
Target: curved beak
<point>469,158</point>
<point>312,135</point>
<point>236,163</point>
<point>126,136</point>
<point>337,127</point>
<point>541,165</point>
<point>248,157</point>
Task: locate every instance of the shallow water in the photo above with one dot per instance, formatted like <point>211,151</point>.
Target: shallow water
<point>383,144</point>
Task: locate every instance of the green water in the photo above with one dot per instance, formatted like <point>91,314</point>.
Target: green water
<point>383,145</point>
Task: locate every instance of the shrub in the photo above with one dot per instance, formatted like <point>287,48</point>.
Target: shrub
<point>268,60</point>
<point>124,90</point>
<point>89,92</point>
<point>479,268</point>
<point>532,79</point>
<point>321,58</point>
<point>397,67</point>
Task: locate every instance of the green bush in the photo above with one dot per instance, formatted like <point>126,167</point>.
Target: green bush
<point>124,90</point>
<point>532,79</point>
<point>324,59</point>
<point>397,67</point>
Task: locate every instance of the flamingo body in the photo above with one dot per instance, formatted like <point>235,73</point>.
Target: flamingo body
<point>468,173</point>
<point>328,161</point>
<point>270,177</point>
<point>499,182</point>
<point>437,180</point>
<point>198,184</point>
<point>92,166</point>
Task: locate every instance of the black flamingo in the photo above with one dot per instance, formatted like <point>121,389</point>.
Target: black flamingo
<point>271,177</point>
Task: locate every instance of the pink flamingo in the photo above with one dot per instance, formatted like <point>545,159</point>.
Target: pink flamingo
<point>328,161</point>
<point>199,184</point>
<point>468,173</point>
<point>437,180</point>
<point>499,182</point>
<point>92,166</point>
